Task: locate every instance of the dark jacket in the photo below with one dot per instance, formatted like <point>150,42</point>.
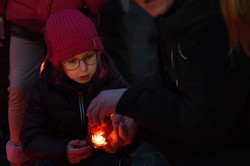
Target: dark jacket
<point>56,107</point>
<point>32,14</point>
<point>202,102</point>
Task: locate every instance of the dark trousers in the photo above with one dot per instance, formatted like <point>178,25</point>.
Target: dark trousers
<point>102,159</point>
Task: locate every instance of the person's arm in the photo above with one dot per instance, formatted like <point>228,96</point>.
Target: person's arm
<point>206,111</point>
<point>37,132</point>
<point>2,25</point>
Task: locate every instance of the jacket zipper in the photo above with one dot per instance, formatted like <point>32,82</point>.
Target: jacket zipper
<point>172,59</point>
<point>172,62</point>
<point>82,113</point>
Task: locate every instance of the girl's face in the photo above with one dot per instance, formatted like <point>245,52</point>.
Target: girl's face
<point>81,67</point>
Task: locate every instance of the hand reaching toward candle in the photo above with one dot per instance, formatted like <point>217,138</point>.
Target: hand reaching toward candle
<point>78,150</point>
<point>124,130</point>
<point>103,106</point>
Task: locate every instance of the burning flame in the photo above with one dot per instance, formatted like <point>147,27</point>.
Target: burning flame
<point>98,139</point>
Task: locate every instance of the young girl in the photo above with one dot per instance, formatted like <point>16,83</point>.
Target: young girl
<point>55,125</point>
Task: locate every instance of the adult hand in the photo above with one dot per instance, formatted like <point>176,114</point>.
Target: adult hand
<point>78,150</point>
<point>103,106</point>
<point>124,130</point>
<point>155,7</point>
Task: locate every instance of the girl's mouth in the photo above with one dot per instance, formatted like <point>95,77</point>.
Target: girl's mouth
<point>85,77</point>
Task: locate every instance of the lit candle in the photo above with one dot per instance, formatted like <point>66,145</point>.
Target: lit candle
<point>98,139</point>
<point>98,135</point>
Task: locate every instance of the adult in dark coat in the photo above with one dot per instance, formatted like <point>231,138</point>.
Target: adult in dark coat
<point>200,106</point>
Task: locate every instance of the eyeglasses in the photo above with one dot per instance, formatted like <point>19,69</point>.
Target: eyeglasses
<point>89,59</point>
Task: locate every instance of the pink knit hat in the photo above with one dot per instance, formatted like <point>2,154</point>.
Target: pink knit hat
<point>68,33</point>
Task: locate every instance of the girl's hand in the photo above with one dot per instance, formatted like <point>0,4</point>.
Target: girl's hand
<point>78,150</point>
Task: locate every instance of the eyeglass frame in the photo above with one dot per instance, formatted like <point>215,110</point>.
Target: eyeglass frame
<point>83,59</point>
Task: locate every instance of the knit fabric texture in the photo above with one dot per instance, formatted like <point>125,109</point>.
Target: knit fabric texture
<point>68,33</point>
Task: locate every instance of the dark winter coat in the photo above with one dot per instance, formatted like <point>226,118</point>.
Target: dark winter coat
<point>202,102</point>
<point>57,107</point>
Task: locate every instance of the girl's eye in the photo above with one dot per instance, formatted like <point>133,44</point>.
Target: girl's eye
<point>90,56</point>
<point>71,61</point>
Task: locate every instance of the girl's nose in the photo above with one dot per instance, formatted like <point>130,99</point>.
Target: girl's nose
<point>83,66</point>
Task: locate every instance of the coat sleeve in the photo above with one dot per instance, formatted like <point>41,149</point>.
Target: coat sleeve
<point>37,135</point>
<point>210,104</point>
<point>2,6</point>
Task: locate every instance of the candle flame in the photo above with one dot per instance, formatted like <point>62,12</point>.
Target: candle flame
<point>98,139</point>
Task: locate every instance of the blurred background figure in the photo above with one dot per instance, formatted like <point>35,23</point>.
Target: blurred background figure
<point>116,36</point>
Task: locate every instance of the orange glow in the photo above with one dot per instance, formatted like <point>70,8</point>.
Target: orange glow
<point>43,64</point>
<point>98,139</point>
<point>42,67</point>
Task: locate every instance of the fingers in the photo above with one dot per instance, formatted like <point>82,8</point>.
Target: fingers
<point>78,150</point>
<point>108,148</point>
<point>82,144</point>
<point>104,105</point>
<point>93,112</point>
<point>116,118</point>
<point>96,113</point>
<point>122,131</point>
<point>85,155</point>
<point>114,135</point>
<point>74,143</point>
<point>75,160</point>
<point>113,141</point>
<point>81,150</point>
